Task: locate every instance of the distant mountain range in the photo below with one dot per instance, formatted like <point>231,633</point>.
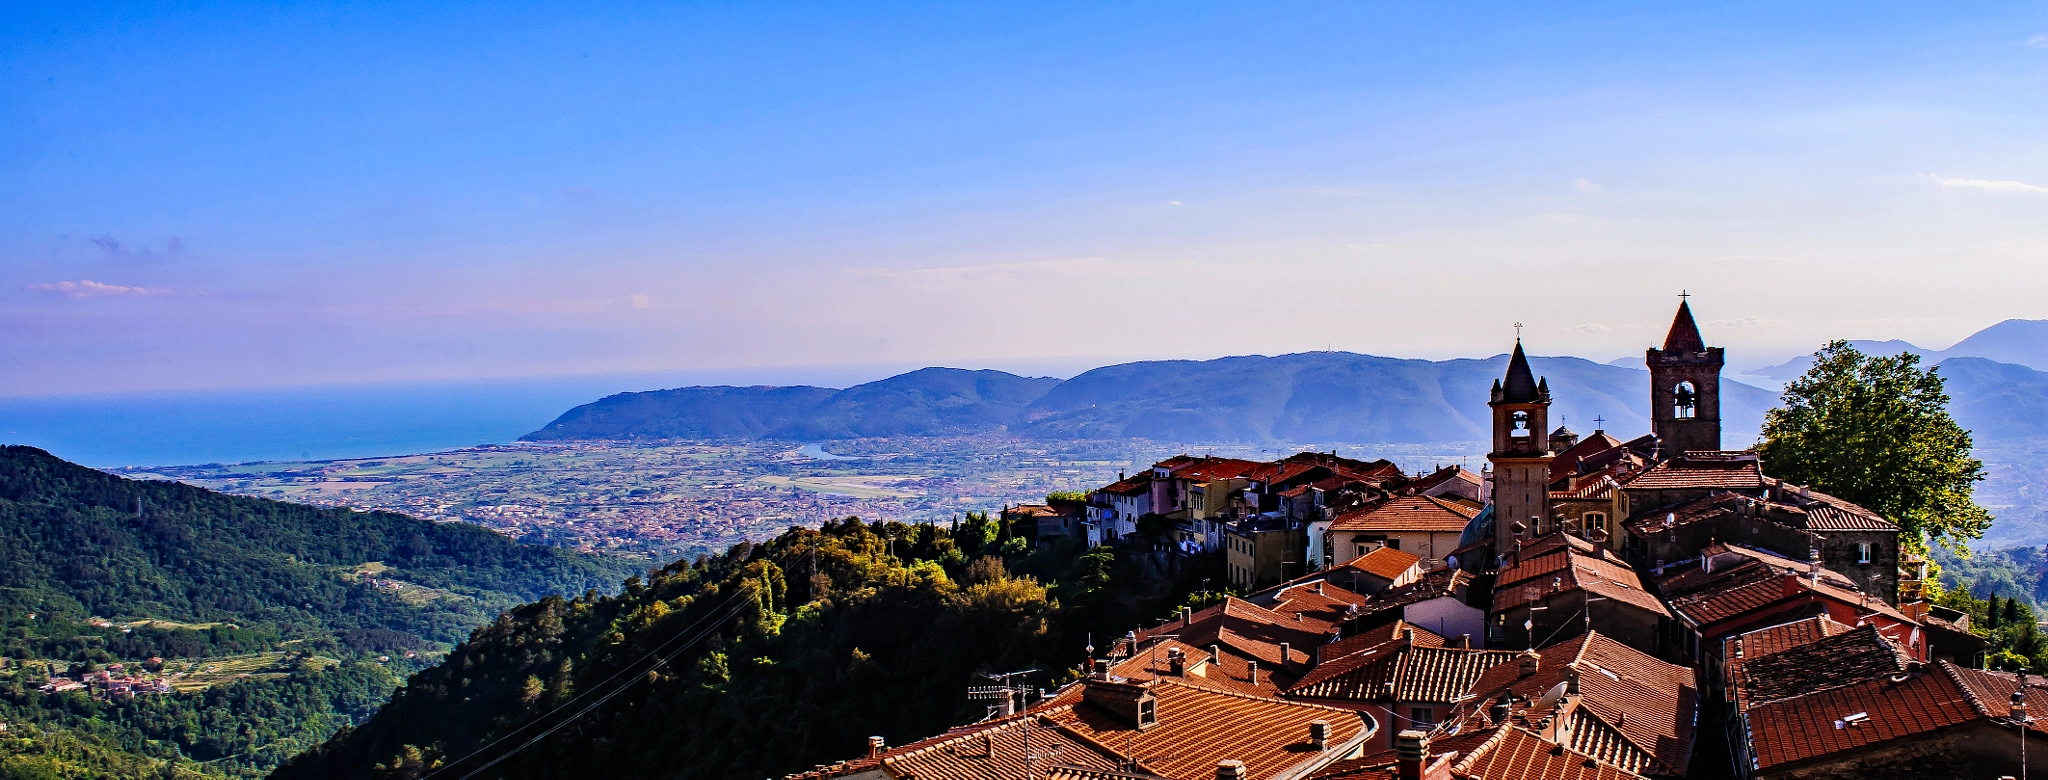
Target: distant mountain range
<point>2019,342</point>
<point>1304,398</point>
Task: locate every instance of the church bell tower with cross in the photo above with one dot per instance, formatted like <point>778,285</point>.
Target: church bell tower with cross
<point>1685,388</point>
<point>1521,452</point>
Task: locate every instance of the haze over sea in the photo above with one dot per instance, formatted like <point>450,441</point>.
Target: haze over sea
<point>324,422</point>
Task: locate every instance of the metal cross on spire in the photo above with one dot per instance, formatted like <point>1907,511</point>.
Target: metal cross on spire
<point>1682,295</point>
<point>1597,422</point>
<point>1518,331</point>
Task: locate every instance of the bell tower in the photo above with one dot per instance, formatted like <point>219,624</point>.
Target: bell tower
<point>1685,388</point>
<point>1521,453</point>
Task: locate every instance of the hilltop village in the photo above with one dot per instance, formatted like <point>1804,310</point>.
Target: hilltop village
<point>1584,607</point>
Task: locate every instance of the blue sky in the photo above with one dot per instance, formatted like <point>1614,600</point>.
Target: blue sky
<point>229,195</point>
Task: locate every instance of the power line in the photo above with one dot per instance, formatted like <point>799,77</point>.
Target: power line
<point>731,606</point>
<point>729,612</point>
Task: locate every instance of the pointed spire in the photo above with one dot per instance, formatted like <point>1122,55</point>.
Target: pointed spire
<point>1685,335</point>
<point>1521,382</point>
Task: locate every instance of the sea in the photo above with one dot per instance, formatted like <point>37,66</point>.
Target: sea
<point>328,422</point>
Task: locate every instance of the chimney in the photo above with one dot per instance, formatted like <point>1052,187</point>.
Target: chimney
<point>1571,679</point>
<point>1286,654</point>
<point>1319,734</point>
<point>1319,587</point>
<point>1464,641</point>
<point>875,746</point>
<point>1230,769</point>
<point>1408,635</point>
<point>1411,754</point>
<point>1187,615</point>
<point>1176,662</point>
<point>1530,661</point>
<point>1215,654</point>
<point>1253,667</point>
<point>1500,710</point>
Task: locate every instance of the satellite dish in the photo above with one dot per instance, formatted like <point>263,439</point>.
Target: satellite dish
<point>1549,700</point>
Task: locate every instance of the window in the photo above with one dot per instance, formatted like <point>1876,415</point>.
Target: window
<point>1596,520</point>
<point>1394,543</point>
<point>1422,718</point>
<point>1683,400</point>
<point>1148,713</point>
<point>1862,552</point>
<point>1519,424</point>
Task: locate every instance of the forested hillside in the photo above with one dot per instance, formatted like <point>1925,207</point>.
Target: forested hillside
<point>815,639</point>
<point>95,569</point>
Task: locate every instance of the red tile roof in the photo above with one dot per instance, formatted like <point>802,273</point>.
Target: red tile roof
<point>1727,471</point>
<point>1515,753</point>
<point>1750,646</point>
<point>1226,671</point>
<point>1199,727</point>
<point>1567,462</point>
<point>1385,563</point>
<point>1652,705</point>
<point>1130,486</point>
<point>1401,671</point>
<point>1409,513</point>
<point>1892,707</point>
<point>1859,654</point>
<point>1435,584</point>
<point>1319,604</point>
<point>1537,579</point>
<point>1251,631</point>
<point>1214,468</point>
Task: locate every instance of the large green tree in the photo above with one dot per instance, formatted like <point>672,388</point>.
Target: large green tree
<point>1876,431</point>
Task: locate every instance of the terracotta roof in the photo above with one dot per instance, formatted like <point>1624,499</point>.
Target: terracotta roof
<point>1227,671</point>
<point>991,749</point>
<point>1728,471</point>
<point>1031,510</point>
<point>1859,654</point>
<point>997,753</point>
<point>1381,765</point>
<point>1828,513</point>
<point>1446,474</point>
<point>1515,753</point>
<point>1561,572</point>
<point>1731,592</point>
<point>1991,692</point>
<point>1251,631</point>
<point>1376,636</point>
<point>1130,486</point>
<point>1399,671</point>
<point>1385,563</point>
<point>1409,513</point>
<point>1589,487</point>
<point>1435,584</point>
<point>1651,704</point>
<point>1890,708</point>
<point>1749,646</point>
<point>1214,468</point>
<point>1199,727</point>
<point>1321,605</point>
<point>1567,462</point>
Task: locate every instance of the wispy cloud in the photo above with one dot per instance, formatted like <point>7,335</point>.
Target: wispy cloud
<point>87,288</point>
<point>1995,185</point>
<point>2039,41</point>
<point>1587,185</point>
